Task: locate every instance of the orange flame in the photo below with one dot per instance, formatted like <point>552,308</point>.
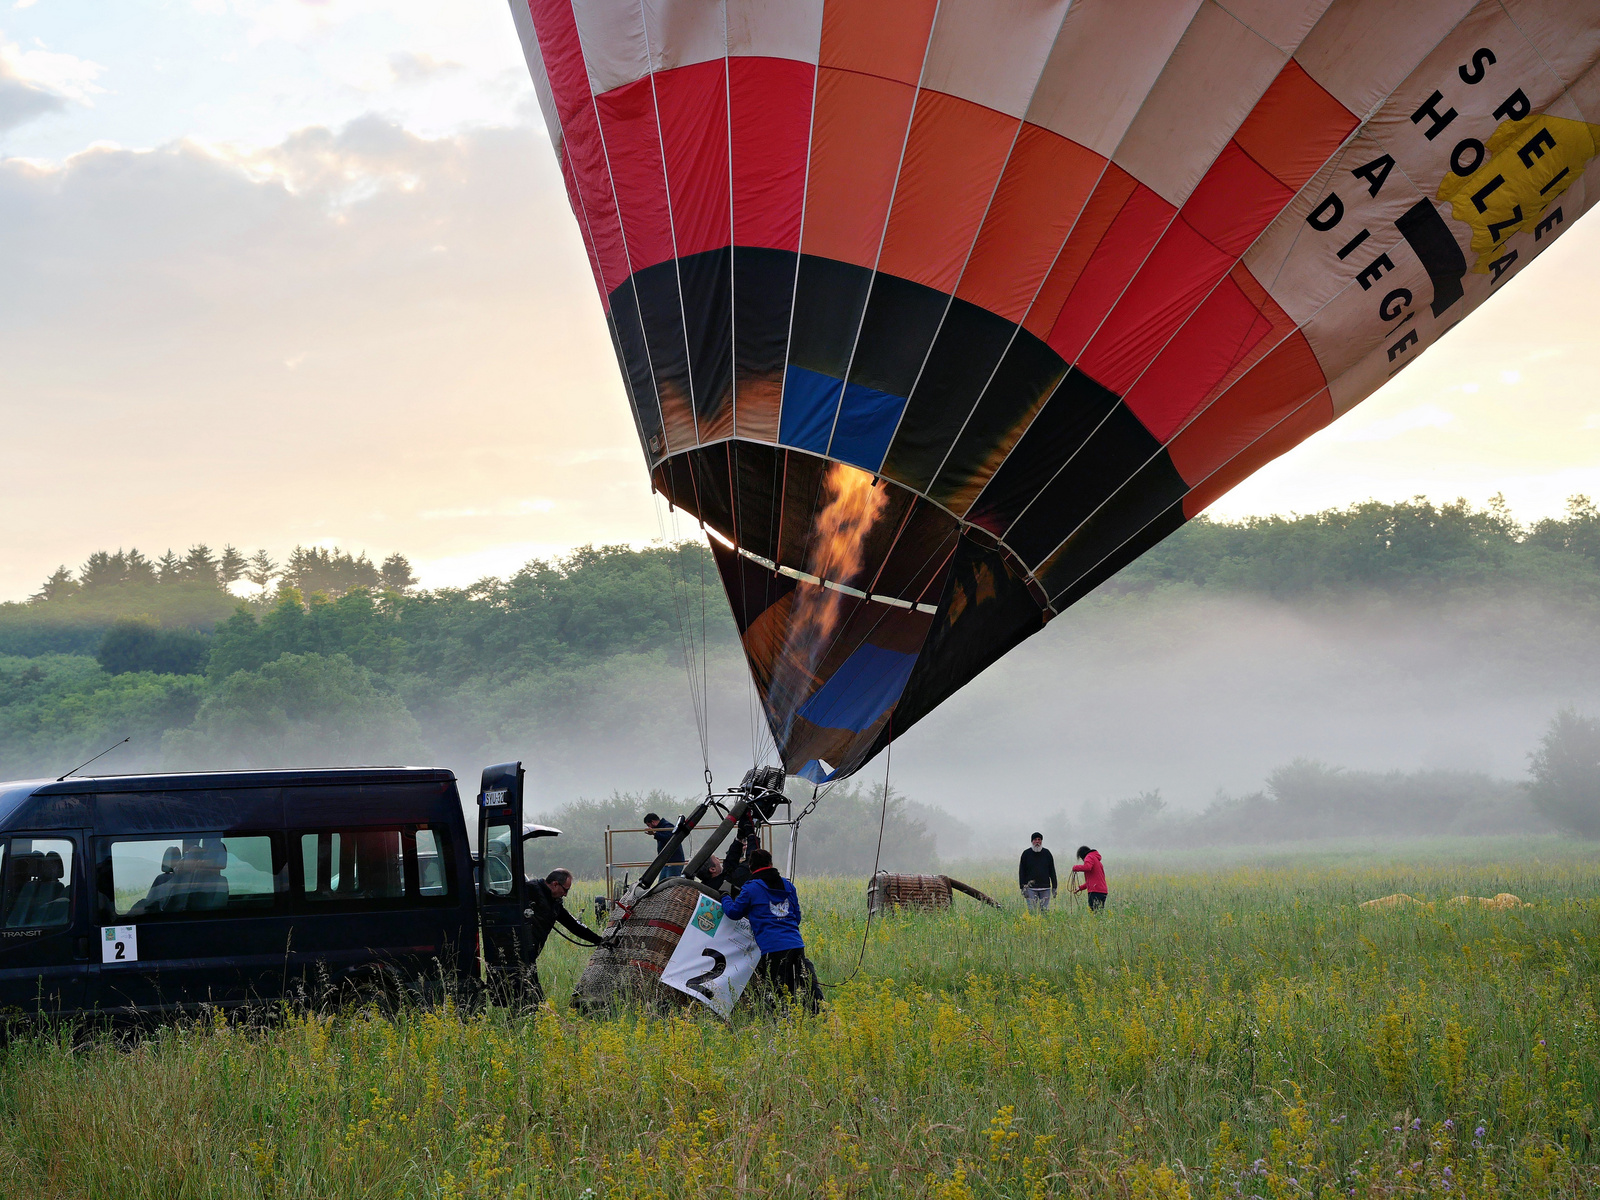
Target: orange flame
<point>852,504</point>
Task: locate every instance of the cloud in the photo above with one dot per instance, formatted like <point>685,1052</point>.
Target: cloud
<point>1428,416</point>
<point>411,69</point>
<point>21,102</point>
<point>242,344</point>
<point>35,83</point>
<point>65,77</point>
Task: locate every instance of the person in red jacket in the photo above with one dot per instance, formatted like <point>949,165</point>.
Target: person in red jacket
<point>1094,877</point>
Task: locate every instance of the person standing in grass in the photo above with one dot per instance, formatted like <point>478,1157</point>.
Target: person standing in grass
<point>772,906</point>
<point>1036,875</point>
<point>1094,877</point>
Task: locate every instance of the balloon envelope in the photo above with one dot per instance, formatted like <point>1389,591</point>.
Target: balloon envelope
<point>939,314</point>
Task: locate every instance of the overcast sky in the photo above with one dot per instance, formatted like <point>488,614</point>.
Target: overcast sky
<point>302,271</point>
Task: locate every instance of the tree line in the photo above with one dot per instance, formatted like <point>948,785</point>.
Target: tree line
<point>1413,544</point>
<point>585,651</point>
<point>308,569</point>
<point>1372,544</point>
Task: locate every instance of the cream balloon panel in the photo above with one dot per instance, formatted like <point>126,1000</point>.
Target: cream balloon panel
<point>1510,144</point>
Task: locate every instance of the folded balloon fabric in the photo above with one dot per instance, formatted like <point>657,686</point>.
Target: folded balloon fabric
<point>1402,900</point>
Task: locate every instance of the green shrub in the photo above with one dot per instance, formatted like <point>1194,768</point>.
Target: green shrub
<point>139,644</point>
<point>1566,774</point>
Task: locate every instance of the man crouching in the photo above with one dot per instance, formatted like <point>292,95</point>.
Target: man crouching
<point>772,906</point>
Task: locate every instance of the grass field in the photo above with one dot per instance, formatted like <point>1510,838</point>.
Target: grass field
<point>1232,1026</point>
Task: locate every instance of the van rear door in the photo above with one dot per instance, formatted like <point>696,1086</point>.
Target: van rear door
<point>502,888</point>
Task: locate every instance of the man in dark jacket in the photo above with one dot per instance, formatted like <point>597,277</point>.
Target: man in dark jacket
<point>546,906</point>
<point>737,866</point>
<point>1036,875</point>
<point>772,906</point>
<point>663,832</point>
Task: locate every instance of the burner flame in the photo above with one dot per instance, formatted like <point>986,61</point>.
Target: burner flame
<point>852,504</point>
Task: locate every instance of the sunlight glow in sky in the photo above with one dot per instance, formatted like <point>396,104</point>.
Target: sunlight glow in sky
<point>287,271</point>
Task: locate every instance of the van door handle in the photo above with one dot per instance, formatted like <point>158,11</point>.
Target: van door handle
<point>83,947</point>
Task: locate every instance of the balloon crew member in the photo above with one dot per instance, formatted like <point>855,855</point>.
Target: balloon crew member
<point>711,874</point>
<point>737,864</point>
<point>546,906</point>
<point>772,906</point>
<point>1094,877</point>
<point>663,831</point>
<point>1036,875</point>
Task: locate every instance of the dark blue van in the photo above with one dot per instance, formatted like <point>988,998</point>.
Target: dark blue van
<point>162,893</point>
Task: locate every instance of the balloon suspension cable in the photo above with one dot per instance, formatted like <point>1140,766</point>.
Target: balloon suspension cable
<point>695,666</point>
<point>883,819</point>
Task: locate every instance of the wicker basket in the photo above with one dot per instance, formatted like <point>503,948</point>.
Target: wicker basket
<point>627,970</point>
<point>888,892</point>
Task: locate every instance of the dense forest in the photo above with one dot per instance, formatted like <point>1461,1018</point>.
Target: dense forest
<point>211,659</point>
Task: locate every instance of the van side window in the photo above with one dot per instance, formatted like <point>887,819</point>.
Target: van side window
<point>194,875</point>
<point>375,865</point>
<point>433,866</point>
<point>497,860</point>
<point>37,883</point>
<point>353,864</point>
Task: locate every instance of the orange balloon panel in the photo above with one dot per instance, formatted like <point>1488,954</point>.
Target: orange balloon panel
<point>940,314</point>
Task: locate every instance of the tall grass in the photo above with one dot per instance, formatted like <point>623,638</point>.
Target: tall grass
<point>1238,1030</point>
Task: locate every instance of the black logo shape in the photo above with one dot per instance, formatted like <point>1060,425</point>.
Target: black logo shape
<point>1430,238</point>
<point>719,964</point>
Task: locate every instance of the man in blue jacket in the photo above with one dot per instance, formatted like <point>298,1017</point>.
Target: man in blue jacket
<point>772,906</point>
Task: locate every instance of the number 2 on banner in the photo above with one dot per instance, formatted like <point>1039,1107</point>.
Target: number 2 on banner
<point>719,964</point>
<point>119,943</point>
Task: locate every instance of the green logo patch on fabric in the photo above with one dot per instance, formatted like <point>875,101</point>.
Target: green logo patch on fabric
<point>708,915</point>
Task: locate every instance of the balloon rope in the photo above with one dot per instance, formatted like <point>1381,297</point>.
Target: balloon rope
<point>883,819</point>
<point>683,615</point>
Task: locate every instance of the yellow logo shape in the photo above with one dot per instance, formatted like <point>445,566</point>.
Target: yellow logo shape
<point>1521,171</point>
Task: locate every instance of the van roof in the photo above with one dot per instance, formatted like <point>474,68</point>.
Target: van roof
<point>183,781</point>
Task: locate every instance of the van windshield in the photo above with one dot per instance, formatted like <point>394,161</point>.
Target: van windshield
<point>37,890</point>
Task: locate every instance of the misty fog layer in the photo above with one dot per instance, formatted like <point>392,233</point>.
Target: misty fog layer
<point>1189,694</point>
<point>1179,691</point>
<point>1183,691</point>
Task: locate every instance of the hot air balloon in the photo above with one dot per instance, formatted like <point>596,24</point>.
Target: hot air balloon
<point>937,313</point>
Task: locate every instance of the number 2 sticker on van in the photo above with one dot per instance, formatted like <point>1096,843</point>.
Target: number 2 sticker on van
<point>119,943</point>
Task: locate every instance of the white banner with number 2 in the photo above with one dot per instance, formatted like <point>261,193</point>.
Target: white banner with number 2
<point>119,943</point>
<point>715,958</point>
